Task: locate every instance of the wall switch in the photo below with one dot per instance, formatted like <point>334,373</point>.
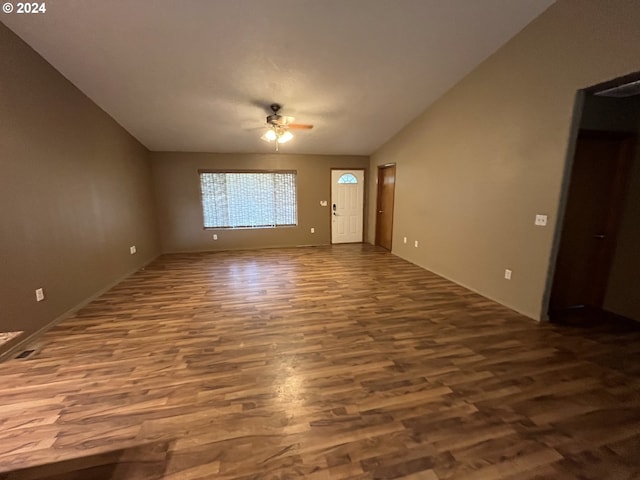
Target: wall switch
<point>507,274</point>
<point>39,295</point>
<point>215,236</point>
<point>313,230</point>
<point>323,203</point>
<point>405,239</point>
<point>415,244</point>
<point>541,220</point>
<point>132,249</point>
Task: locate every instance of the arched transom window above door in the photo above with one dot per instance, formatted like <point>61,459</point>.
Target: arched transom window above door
<point>348,178</point>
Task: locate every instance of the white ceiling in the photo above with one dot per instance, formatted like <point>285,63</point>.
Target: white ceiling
<point>198,75</point>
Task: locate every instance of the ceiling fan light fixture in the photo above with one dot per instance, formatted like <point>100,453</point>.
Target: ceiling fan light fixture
<point>270,135</point>
<point>285,136</point>
<point>279,135</point>
<point>279,125</point>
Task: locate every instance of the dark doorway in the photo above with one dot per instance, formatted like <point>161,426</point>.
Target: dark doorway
<point>596,270</point>
<point>592,217</point>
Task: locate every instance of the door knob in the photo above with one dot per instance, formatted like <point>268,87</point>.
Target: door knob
<point>379,211</point>
<point>599,236</point>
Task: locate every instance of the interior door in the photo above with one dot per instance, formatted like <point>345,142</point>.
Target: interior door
<point>347,206</point>
<point>592,216</point>
<point>384,209</point>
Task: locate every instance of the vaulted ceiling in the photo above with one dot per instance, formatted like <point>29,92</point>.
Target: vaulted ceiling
<point>198,75</point>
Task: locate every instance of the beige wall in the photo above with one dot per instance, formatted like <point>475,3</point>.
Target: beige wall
<point>177,191</point>
<point>75,191</point>
<point>476,167</point>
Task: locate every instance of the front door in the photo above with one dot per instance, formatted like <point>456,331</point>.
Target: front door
<point>347,206</point>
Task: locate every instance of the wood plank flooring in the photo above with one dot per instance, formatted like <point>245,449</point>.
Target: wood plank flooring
<point>8,336</point>
<point>320,363</point>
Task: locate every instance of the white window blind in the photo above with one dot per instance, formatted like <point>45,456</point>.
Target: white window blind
<point>248,199</point>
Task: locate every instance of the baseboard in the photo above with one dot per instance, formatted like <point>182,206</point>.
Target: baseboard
<point>30,340</point>
<point>530,315</point>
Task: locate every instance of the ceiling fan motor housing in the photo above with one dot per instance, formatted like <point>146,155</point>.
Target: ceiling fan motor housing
<point>273,119</point>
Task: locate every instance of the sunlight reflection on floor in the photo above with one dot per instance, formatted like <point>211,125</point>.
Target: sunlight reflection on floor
<point>6,336</point>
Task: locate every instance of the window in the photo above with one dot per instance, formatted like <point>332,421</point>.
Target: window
<point>248,199</point>
<point>348,178</point>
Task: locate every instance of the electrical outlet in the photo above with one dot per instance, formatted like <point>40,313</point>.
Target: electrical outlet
<point>39,295</point>
<point>405,239</point>
<point>541,220</point>
<point>132,249</point>
<point>215,236</point>
<point>415,244</point>
<point>507,274</point>
<point>313,230</point>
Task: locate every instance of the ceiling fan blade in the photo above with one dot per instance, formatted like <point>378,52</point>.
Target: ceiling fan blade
<point>298,126</point>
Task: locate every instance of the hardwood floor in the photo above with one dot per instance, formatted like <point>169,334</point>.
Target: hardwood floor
<point>319,363</point>
<point>7,336</point>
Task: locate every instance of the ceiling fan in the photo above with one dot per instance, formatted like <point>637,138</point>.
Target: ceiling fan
<point>279,126</point>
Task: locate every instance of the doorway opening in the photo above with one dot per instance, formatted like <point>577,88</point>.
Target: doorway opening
<point>595,275</point>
